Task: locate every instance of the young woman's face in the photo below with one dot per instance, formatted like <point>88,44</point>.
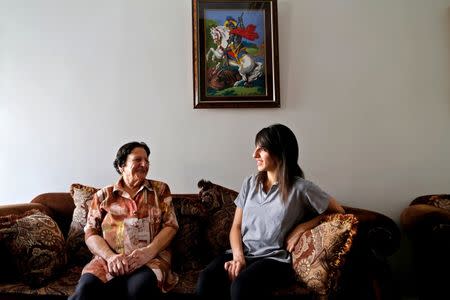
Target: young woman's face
<point>264,162</point>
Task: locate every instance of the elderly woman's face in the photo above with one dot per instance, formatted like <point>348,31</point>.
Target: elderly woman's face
<point>137,165</point>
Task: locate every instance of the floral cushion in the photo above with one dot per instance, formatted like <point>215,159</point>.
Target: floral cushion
<point>77,251</point>
<point>36,244</point>
<point>440,201</point>
<point>186,244</point>
<point>218,203</point>
<point>321,251</point>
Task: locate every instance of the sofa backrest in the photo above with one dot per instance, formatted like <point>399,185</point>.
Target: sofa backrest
<point>205,221</point>
<point>60,207</point>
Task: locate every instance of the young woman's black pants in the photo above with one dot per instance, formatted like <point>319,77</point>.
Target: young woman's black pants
<point>256,281</point>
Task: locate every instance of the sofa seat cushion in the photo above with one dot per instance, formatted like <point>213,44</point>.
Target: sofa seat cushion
<point>187,283</point>
<point>64,285</point>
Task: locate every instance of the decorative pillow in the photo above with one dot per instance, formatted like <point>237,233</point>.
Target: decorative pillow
<point>320,252</point>
<point>440,201</point>
<point>218,203</point>
<point>186,244</point>
<point>36,244</point>
<point>77,251</point>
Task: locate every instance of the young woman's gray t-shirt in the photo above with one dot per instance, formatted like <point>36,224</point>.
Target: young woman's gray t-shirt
<point>267,218</point>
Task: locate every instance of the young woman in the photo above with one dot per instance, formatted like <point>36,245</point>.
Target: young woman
<point>273,209</point>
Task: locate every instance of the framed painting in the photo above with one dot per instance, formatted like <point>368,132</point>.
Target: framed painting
<point>235,53</point>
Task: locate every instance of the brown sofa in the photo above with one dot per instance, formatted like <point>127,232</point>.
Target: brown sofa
<point>426,223</point>
<point>204,220</point>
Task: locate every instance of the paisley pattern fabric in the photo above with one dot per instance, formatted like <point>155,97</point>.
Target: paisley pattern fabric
<point>205,223</point>
<point>218,202</point>
<point>321,251</point>
<point>77,251</point>
<point>37,245</point>
<point>440,201</point>
<point>186,245</point>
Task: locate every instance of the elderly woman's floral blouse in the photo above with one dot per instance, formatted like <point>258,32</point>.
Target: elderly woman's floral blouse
<point>128,224</point>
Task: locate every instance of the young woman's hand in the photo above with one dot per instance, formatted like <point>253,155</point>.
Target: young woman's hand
<point>234,267</point>
<point>293,238</point>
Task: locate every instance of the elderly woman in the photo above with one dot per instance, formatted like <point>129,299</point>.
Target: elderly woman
<point>129,226</point>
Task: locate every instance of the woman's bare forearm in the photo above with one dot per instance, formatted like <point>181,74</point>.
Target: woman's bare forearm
<point>99,247</point>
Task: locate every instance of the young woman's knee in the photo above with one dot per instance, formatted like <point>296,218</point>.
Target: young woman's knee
<point>242,288</point>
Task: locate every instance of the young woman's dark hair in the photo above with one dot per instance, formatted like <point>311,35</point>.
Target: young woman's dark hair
<point>125,150</point>
<point>282,145</point>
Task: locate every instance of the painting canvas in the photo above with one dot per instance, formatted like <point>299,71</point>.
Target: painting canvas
<point>235,54</point>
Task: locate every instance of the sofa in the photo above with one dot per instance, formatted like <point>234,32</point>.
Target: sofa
<point>426,223</point>
<point>359,269</point>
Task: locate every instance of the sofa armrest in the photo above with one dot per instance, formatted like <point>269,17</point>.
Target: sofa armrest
<point>18,209</point>
<point>423,217</point>
<point>366,272</point>
<point>377,233</point>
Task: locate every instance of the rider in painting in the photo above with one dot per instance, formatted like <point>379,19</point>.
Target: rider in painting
<point>233,66</point>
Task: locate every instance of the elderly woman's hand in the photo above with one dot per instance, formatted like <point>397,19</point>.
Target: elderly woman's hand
<point>117,264</point>
<point>138,258</point>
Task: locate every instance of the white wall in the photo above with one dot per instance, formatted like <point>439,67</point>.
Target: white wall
<point>364,85</point>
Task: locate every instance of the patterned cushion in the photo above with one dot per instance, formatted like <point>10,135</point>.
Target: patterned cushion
<point>440,201</point>
<point>186,244</point>
<point>77,251</point>
<point>321,251</point>
<point>37,245</point>
<point>218,202</point>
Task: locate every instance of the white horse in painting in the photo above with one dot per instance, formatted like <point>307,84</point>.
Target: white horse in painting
<point>248,68</point>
